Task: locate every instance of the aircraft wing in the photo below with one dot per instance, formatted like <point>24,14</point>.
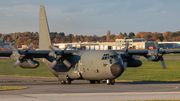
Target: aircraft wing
<point>6,53</point>
<point>36,53</point>
<point>145,52</point>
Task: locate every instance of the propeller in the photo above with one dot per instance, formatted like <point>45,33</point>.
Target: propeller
<point>158,55</point>
<point>59,57</point>
<point>22,56</point>
<point>126,56</point>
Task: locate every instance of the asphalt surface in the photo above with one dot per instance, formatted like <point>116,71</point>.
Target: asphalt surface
<point>52,90</point>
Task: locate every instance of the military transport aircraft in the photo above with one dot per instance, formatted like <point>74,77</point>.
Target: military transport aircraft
<point>69,65</point>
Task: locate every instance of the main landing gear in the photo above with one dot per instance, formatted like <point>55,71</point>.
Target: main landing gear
<point>66,82</point>
<point>94,81</point>
<point>110,81</point>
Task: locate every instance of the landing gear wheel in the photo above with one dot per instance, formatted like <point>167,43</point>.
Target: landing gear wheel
<point>97,82</point>
<point>63,82</point>
<point>68,82</point>
<point>110,81</point>
<point>94,81</point>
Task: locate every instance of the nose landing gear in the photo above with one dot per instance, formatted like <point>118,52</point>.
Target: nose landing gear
<point>110,81</point>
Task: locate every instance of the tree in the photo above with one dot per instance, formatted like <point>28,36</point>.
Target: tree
<point>62,34</point>
<point>28,42</point>
<point>19,42</point>
<point>69,38</point>
<point>120,36</point>
<point>8,39</point>
<point>166,36</point>
<point>131,35</point>
<point>125,34</point>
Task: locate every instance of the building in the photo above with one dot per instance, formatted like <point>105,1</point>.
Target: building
<point>5,45</point>
<point>119,44</point>
<point>168,45</point>
<point>134,43</point>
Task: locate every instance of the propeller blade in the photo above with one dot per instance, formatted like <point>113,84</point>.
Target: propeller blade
<point>125,65</point>
<point>66,47</point>
<point>16,63</point>
<point>157,46</point>
<point>53,64</point>
<point>31,62</point>
<point>14,48</point>
<point>30,46</point>
<point>51,48</point>
<point>163,63</point>
<point>67,63</point>
<point>127,45</point>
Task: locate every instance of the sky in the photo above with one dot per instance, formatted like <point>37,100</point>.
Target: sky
<point>91,17</point>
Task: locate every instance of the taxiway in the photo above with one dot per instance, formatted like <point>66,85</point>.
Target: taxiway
<point>80,90</point>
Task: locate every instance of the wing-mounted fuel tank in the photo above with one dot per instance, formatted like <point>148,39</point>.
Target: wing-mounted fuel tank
<point>23,58</point>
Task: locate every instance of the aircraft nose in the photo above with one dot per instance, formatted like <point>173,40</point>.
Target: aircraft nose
<point>116,69</point>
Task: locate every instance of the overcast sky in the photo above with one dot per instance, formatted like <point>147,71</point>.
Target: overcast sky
<point>91,17</point>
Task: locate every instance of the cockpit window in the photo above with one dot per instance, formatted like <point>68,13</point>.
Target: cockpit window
<point>105,57</point>
<point>112,56</point>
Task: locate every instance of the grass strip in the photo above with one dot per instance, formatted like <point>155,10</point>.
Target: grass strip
<point>3,88</point>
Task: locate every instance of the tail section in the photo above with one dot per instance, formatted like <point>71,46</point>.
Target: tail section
<point>44,36</point>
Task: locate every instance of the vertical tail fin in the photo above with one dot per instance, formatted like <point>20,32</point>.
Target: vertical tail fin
<point>44,36</point>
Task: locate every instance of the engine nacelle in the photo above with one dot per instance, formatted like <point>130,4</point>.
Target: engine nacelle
<point>134,63</point>
<point>153,58</point>
<point>27,65</point>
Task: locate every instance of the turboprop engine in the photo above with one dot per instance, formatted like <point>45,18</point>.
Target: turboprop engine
<point>27,65</point>
<point>23,58</point>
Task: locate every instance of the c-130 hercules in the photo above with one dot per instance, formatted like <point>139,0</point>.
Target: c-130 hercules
<point>69,65</point>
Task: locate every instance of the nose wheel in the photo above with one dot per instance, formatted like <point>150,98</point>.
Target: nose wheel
<point>110,81</point>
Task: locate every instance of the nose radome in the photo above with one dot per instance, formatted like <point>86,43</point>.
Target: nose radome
<point>116,69</point>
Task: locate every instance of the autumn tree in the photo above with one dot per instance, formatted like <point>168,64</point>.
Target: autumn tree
<point>166,36</point>
<point>120,36</point>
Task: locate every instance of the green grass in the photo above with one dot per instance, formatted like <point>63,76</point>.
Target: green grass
<point>149,71</point>
<point>171,54</point>
<point>6,68</point>
<point>152,71</point>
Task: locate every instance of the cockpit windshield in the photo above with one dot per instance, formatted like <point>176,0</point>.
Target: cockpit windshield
<point>107,56</point>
